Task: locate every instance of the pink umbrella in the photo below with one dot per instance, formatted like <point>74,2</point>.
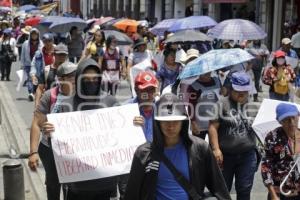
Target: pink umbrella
<point>103,20</point>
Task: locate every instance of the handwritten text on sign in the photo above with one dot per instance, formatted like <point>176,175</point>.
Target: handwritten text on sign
<point>96,143</point>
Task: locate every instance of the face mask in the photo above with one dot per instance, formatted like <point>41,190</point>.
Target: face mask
<point>280,61</point>
<point>90,88</point>
<point>112,47</point>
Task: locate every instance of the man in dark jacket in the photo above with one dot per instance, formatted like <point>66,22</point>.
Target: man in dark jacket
<point>88,97</point>
<point>150,177</point>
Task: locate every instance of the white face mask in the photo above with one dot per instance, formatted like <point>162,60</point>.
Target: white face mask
<point>280,61</point>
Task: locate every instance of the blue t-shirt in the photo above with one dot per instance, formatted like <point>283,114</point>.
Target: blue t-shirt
<point>167,187</point>
<point>148,127</point>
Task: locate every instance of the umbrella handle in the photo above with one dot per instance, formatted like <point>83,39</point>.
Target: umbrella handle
<point>285,179</point>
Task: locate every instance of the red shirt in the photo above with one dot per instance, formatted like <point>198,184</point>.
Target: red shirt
<point>48,57</point>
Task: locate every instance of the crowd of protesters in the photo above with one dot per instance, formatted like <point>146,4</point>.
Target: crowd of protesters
<point>176,162</point>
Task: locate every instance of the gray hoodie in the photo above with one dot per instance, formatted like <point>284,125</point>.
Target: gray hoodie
<point>25,55</point>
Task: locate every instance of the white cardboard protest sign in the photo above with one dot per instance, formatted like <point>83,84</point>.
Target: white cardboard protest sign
<point>136,69</point>
<point>265,120</point>
<point>95,144</point>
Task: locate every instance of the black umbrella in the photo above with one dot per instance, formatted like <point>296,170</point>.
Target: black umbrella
<point>122,39</point>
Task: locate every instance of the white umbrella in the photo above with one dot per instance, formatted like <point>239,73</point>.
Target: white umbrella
<point>265,120</point>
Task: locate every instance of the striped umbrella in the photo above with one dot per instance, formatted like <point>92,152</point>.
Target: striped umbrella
<point>160,28</point>
<point>237,29</point>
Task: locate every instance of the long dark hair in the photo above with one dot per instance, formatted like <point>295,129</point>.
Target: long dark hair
<point>102,34</point>
<point>109,40</point>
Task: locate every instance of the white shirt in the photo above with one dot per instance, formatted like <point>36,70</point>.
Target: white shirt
<point>296,40</point>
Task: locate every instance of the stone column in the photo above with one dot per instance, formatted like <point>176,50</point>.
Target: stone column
<point>277,22</point>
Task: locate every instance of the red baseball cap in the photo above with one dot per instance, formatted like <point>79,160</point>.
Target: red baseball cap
<point>145,79</point>
<point>279,53</point>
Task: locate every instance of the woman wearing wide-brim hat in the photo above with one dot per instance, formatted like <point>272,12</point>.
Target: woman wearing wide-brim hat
<point>151,177</point>
<point>23,37</point>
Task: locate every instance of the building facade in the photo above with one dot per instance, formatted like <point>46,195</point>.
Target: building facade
<point>271,15</point>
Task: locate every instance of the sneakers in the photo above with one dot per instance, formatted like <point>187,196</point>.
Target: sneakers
<point>30,97</point>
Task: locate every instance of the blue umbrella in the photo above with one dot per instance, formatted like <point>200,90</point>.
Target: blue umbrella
<point>66,23</point>
<point>193,22</point>
<point>160,28</point>
<point>214,60</point>
<point>237,29</point>
<point>27,8</point>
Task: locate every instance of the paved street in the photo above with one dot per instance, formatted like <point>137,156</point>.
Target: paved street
<point>25,109</point>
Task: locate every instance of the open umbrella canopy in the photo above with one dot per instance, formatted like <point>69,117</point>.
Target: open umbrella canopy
<point>161,27</point>
<point>214,60</point>
<point>122,39</point>
<point>47,21</point>
<point>193,22</point>
<point>5,9</point>
<point>27,8</point>
<point>237,29</point>
<point>265,120</point>
<point>66,23</point>
<point>109,25</point>
<point>188,36</point>
<point>103,20</point>
<point>33,21</point>
<point>127,25</point>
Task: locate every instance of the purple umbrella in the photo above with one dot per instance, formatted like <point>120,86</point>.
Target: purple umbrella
<point>237,29</point>
<point>160,28</point>
<point>193,22</point>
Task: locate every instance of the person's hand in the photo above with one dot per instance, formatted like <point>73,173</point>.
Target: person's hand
<point>275,197</point>
<point>34,80</point>
<point>47,129</point>
<point>139,121</point>
<point>33,161</point>
<point>219,156</point>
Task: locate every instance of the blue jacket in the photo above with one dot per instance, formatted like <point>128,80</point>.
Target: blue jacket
<point>37,64</point>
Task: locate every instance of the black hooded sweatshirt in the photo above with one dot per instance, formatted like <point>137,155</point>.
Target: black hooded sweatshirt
<point>203,168</point>
<point>96,186</point>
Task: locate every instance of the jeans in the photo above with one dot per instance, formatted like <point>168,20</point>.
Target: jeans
<point>242,167</point>
<point>52,184</point>
<point>5,70</point>
<point>31,88</point>
<point>279,97</point>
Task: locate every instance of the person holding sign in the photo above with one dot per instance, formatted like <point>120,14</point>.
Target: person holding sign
<point>88,97</point>
<point>53,101</point>
<point>281,145</point>
<point>175,165</point>
<point>146,86</point>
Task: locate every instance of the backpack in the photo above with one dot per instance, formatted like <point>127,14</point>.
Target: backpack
<point>281,86</point>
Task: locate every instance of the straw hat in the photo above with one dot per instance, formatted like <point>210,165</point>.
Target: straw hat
<point>4,22</point>
<point>26,30</point>
<point>191,53</point>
